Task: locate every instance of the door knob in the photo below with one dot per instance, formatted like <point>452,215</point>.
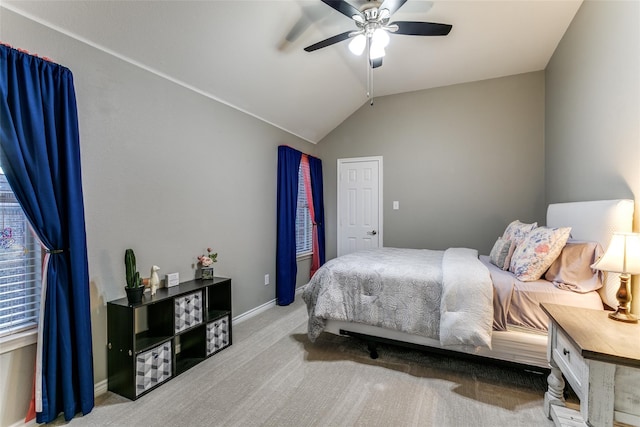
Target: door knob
<point>372,233</point>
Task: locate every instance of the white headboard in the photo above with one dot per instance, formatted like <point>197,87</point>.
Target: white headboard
<point>595,221</point>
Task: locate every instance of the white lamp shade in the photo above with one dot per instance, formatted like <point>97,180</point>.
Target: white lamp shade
<point>380,38</point>
<point>357,45</point>
<point>376,52</point>
<point>622,255</point>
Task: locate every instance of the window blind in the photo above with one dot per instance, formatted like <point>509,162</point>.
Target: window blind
<point>304,226</point>
<point>20,266</point>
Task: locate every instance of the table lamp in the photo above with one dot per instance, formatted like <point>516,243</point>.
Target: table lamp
<point>622,256</point>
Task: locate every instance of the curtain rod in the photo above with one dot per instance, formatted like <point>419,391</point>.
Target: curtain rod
<point>295,149</point>
<point>35,55</point>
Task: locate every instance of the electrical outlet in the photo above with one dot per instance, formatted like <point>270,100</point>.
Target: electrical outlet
<point>266,279</point>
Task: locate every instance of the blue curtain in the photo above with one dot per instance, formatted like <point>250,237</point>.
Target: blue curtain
<point>40,152</point>
<point>286,267</point>
<point>315,169</point>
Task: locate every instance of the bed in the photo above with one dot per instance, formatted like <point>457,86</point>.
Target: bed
<point>469,304</point>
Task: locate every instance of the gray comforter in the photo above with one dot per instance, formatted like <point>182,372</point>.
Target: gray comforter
<point>445,295</point>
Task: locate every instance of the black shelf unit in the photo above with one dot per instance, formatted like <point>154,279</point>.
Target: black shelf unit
<point>182,326</point>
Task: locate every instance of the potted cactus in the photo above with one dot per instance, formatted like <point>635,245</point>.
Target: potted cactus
<point>134,286</point>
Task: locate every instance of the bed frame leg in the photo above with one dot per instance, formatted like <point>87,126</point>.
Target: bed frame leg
<point>373,350</point>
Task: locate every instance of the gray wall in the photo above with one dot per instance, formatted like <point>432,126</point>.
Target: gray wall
<point>463,161</point>
<point>592,111</point>
<point>478,159</point>
<point>167,172</point>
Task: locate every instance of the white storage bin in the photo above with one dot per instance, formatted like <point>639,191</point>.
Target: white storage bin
<point>217,335</point>
<point>153,367</point>
<point>188,311</point>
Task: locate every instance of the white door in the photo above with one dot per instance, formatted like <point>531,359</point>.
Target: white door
<point>359,204</point>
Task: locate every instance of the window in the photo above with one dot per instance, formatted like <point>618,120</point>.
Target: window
<point>20,266</point>
<point>304,225</point>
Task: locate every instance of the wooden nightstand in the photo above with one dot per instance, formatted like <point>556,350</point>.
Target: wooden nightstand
<point>600,358</point>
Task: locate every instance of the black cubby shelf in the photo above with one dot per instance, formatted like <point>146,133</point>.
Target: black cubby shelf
<point>166,334</point>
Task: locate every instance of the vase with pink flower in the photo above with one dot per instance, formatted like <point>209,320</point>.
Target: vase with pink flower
<point>206,264</point>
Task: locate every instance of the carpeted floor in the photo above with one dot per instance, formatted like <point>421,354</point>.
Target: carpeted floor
<point>273,376</point>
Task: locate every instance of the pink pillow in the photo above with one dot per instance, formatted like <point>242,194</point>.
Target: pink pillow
<point>572,269</point>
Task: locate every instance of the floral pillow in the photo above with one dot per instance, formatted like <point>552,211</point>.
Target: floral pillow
<point>517,231</point>
<point>501,253</point>
<point>537,252</point>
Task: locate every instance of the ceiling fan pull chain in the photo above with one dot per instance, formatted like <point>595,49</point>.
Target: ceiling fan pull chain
<point>369,72</point>
<point>370,84</point>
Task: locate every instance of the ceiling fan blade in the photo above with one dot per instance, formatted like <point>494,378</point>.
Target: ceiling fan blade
<point>328,42</point>
<point>310,14</point>
<point>299,28</point>
<point>392,5</point>
<point>411,28</point>
<point>343,7</point>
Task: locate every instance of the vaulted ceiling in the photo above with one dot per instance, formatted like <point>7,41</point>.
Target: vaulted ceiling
<point>249,54</point>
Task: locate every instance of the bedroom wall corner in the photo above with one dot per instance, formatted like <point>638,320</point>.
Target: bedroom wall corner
<point>462,160</point>
<point>167,172</point>
<point>592,131</point>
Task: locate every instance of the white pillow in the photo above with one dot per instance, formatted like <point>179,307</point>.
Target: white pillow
<point>537,252</point>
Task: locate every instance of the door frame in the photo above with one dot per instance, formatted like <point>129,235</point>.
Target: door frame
<point>340,163</point>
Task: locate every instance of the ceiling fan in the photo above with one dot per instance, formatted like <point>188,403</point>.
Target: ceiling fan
<point>373,28</point>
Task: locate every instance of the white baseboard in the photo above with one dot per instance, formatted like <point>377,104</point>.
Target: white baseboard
<point>100,388</point>
<point>23,424</point>
<point>254,312</point>
<point>257,310</point>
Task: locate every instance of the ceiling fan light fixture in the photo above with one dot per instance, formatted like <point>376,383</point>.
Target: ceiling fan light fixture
<point>376,52</point>
<point>380,38</point>
<point>357,45</point>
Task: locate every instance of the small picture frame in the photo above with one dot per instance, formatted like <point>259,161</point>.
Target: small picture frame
<point>172,279</point>
<point>207,273</point>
